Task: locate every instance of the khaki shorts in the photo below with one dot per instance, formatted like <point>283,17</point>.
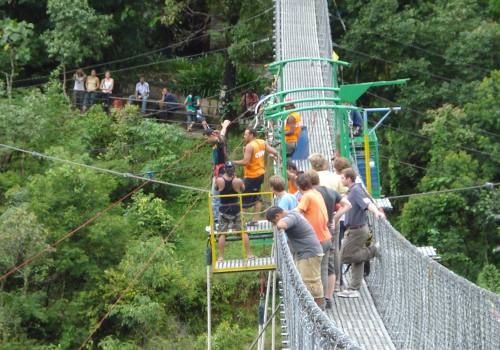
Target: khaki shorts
<point>310,271</point>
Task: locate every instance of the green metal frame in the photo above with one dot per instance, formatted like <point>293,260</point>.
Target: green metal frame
<point>345,93</point>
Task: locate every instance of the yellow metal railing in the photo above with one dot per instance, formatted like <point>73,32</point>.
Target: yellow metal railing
<point>214,233</point>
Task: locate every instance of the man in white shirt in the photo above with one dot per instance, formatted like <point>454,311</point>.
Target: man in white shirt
<point>141,94</point>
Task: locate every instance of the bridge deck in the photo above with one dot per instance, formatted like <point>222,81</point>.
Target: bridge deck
<point>359,319</point>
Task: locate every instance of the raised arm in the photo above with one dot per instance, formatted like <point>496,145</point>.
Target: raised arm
<point>225,125</point>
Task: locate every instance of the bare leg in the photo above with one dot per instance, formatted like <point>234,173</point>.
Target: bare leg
<point>256,211</point>
<point>205,125</point>
<point>246,243</point>
<point>331,286</point>
<point>222,241</point>
<point>320,302</point>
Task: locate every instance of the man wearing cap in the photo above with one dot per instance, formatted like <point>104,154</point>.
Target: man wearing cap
<point>253,161</point>
<point>229,212</point>
<point>217,139</point>
<point>292,128</point>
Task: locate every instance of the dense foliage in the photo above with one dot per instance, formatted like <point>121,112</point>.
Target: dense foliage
<point>446,137</point>
<point>448,133</point>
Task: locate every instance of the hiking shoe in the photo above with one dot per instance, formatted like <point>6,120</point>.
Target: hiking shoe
<point>350,293</point>
<point>328,303</point>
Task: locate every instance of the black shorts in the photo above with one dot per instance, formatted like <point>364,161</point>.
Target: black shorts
<point>252,184</point>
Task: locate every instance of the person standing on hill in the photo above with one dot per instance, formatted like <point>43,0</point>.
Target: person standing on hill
<point>141,93</point>
<point>91,85</point>
<point>229,212</point>
<point>79,89</point>
<point>254,169</point>
<point>192,103</point>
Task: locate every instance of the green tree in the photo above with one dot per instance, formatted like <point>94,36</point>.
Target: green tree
<point>15,48</point>
<point>77,32</point>
<point>21,236</point>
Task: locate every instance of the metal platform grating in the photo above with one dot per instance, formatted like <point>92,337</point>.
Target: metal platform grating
<point>264,263</point>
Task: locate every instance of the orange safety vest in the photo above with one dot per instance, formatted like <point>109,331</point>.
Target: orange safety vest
<point>298,127</point>
<point>255,167</point>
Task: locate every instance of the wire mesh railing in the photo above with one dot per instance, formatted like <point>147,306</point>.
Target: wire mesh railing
<point>426,306</point>
<point>422,304</point>
<point>308,326</point>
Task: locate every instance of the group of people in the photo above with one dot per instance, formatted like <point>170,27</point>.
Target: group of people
<point>327,208</point>
<point>323,213</point>
<point>88,89</point>
<point>227,210</point>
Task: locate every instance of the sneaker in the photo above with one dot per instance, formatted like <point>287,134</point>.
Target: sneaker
<point>350,293</point>
<point>328,303</point>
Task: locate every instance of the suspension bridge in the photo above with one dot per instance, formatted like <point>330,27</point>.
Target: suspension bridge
<point>409,300</point>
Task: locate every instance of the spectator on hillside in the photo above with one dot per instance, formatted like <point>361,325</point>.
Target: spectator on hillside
<point>314,209</point>
<point>284,200</point>
<point>304,246</point>
<point>92,83</point>
<point>168,103</point>
<point>248,101</point>
<point>79,89</point>
<point>194,112</point>
<point>141,94</point>
<point>254,162</point>
<point>107,85</point>
<point>332,200</point>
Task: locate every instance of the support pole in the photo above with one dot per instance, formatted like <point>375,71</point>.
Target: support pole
<point>367,153</point>
<point>273,306</point>
<point>209,299</point>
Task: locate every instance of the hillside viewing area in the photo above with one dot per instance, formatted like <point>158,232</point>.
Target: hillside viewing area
<point>271,174</point>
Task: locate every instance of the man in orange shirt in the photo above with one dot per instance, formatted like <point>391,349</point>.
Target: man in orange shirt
<point>313,207</point>
<point>292,129</point>
<point>254,169</point>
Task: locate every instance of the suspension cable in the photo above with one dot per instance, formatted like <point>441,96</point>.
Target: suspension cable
<point>109,171</point>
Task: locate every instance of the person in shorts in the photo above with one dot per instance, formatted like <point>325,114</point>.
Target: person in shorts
<point>304,246</point>
<point>229,211</point>
<point>254,170</point>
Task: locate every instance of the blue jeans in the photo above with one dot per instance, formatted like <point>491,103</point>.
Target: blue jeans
<point>89,99</point>
<point>144,103</point>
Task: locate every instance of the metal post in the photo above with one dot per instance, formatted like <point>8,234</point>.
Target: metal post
<point>367,153</point>
<point>209,300</point>
<point>266,305</point>
<point>273,306</point>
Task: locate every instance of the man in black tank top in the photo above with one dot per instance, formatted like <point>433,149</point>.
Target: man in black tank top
<point>229,211</point>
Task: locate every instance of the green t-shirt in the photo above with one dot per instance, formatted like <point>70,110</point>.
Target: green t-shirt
<point>192,103</point>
